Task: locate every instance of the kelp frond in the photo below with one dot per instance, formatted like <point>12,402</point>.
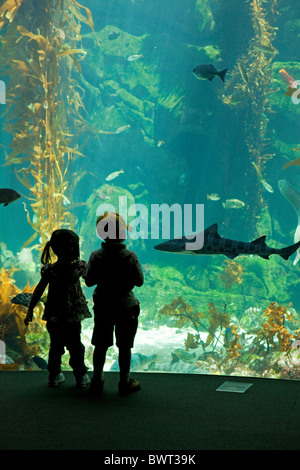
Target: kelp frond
<point>43,101</point>
<point>8,11</point>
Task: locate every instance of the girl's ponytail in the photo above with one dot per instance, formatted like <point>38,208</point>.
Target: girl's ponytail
<point>46,255</point>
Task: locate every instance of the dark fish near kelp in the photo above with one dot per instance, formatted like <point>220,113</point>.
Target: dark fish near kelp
<point>22,299</point>
<point>40,362</point>
<point>8,195</point>
<point>25,298</point>
<point>113,35</point>
<point>208,72</point>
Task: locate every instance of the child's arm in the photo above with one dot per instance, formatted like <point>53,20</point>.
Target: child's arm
<point>89,274</point>
<point>138,273</point>
<point>37,294</point>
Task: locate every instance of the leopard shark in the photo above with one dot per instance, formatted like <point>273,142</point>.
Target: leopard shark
<point>292,195</point>
<point>214,244</point>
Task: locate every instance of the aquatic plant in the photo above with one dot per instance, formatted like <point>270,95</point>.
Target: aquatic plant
<point>232,274</point>
<point>183,313</point>
<point>170,100</point>
<point>249,86</point>
<point>12,329</point>
<point>218,324</point>
<point>274,331</point>
<point>43,43</point>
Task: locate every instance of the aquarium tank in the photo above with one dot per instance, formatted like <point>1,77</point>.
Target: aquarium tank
<point>183,116</point>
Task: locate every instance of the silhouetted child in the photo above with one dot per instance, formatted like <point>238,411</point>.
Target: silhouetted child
<point>65,307</point>
<point>116,271</point>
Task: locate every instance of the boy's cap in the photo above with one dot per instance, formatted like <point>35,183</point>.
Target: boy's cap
<point>111,226</point>
<point>114,217</point>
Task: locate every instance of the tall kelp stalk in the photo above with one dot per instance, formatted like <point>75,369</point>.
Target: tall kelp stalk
<point>248,88</point>
<point>40,54</point>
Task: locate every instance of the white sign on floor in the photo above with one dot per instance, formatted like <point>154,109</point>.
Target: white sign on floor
<point>236,387</point>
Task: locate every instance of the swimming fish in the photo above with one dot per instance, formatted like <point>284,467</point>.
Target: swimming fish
<point>243,72</point>
<point>133,57</point>
<point>113,35</point>
<point>213,244</point>
<point>238,96</point>
<point>22,299</point>
<point>176,367</point>
<point>59,32</point>
<point>213,197</point>
<point>292,195</point>
<point>228,336</point>
<point>233,204</point>
<point>40,362</point>
<point>138,362</point>
<point>285,77</point>
<point>122,129</point>
<point>266,185</point>
<point>25,298</point>
<point>113,175</point>
<point>8,195</point>
<point>265,49</point>
<point>295,162</point>
<point>290,91</point>
<point>208,72</point>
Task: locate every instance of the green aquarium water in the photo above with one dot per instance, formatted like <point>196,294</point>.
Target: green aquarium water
<point>183,116</point>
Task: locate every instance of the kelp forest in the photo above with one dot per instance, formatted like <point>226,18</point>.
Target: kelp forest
<point>103,102</point>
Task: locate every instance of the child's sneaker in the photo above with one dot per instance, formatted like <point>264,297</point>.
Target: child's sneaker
<point>56,380</point>
<point>129,387</point>
<point>82,381</point>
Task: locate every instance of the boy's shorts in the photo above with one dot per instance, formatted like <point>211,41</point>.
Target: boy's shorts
<point>123,322</point>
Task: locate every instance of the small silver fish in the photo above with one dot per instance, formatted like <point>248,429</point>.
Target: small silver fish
<point>122,129</point>
<point>133,57</point>
<point>242,71</point>
<point>267,186</point>
<point>114,175</point>
<point>233,204</point>
<point>59,32</point>
<point>213,197</point>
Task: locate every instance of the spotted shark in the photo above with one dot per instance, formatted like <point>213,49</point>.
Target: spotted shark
<point>213,244</point>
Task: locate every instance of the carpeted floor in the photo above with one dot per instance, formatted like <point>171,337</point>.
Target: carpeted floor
<point>171,412</point>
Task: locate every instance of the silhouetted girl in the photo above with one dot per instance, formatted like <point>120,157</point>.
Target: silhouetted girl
<point>66,305</point>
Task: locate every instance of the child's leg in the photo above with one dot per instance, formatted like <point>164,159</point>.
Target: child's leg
<point>99,356</point>
<point>126,328</point>
<point>56,349</point>
<point>99,361</point>
<point>124,363</point>
<point>75,348</point>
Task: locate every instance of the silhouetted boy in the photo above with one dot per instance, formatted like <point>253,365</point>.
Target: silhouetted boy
<point>116,271</point>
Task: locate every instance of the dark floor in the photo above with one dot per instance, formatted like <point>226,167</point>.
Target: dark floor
<point>171,412</point>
